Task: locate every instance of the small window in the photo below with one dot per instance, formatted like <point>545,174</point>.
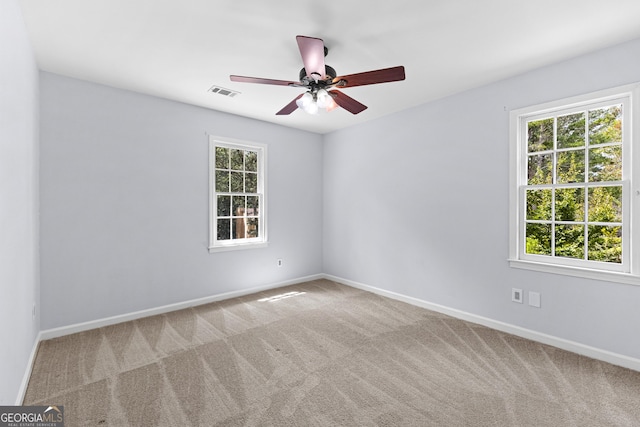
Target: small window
<point>237,206</point>
<point>572,186</point>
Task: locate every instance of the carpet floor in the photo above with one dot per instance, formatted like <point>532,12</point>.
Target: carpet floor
<point>323,354</point>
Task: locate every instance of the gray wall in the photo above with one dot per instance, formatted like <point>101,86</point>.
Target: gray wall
<point>18,200</point>
<point>424,210</point>
<point>124,199</point>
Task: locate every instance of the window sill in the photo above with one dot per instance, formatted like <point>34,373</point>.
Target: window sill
<point>238,247</point>
<point>608,276</point>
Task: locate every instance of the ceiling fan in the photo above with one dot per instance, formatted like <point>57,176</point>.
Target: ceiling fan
<point>320,80</point>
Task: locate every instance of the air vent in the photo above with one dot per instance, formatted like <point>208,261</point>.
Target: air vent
<point>224,92</point>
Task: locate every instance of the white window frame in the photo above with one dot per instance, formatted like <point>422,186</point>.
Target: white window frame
<point>261,241</point>
<point>629,272</point>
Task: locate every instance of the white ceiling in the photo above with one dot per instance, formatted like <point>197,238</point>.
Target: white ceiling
<point>178,49</point>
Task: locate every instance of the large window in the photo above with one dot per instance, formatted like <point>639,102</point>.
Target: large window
<point>237,201</point>
<point>572,188</point>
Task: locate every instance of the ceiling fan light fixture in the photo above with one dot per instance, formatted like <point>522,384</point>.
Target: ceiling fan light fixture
<point>332,104</point>
<point>304,100</point>
<point>314,101</point>
<point>311,108</point>
<point>323,99</point>
<point>309,102</point>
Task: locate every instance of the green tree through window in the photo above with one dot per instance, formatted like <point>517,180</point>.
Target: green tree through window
<point>574,189</point>
<point>237,180</point>
<point>574,185</point>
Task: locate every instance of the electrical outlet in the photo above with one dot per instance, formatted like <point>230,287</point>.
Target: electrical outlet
<point>516,295</point>
<point>279,262</point>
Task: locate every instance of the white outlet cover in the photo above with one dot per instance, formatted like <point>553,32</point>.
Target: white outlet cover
<point>534,299</point>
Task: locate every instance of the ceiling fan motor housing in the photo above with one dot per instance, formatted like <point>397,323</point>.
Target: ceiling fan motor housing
<point>329,72</point>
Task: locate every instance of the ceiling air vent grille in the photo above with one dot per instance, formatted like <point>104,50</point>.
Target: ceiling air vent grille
<point>224,92</point>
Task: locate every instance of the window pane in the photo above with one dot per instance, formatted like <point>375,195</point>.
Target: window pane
<point>224,229</point>
<point>540,135</point>
<point>570,166</point>
<point>222,181</point>
<point>570,204</point>
<point>237,182</point>
<point>253,205</point>
<point>239,203</point>
<point>251,161</point>
<point>238,228</point>
<point>605,243</point>
<point>540,169</point>
<point>252,227</point>
<point>605,164</point>
<point>573,205</point>
<point>605,204</point>
<point>539,204</point>
<point>251,183</point>
<point>539,239</point>
<point>237,160</point>
<point>571,130</point>
<point>570,241</point>
<point>222,158</point>
<point>605,125</point>
<point>224,205</point>
<point>236,175</point>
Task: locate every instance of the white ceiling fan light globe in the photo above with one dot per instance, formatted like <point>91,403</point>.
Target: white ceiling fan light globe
<point>304,100</point>
<point>311,108</point>
<point>332,104</point>
<point>324,99</point>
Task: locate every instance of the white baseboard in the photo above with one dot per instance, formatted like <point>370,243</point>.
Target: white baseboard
<point>27,373</point>
<point>99,323</point>
<point>572,346</point>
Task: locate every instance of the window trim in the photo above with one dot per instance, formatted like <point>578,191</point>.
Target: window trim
<point>231,245</point>
<point>630,179</point>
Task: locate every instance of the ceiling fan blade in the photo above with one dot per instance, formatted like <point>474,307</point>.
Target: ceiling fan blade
<point>244,79</point>
<point>384,75</point>
<point>346,102</point>
<point>312,52</point>
<point>290,107</point>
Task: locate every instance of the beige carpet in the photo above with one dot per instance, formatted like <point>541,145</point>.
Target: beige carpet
<point>323,354</point>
